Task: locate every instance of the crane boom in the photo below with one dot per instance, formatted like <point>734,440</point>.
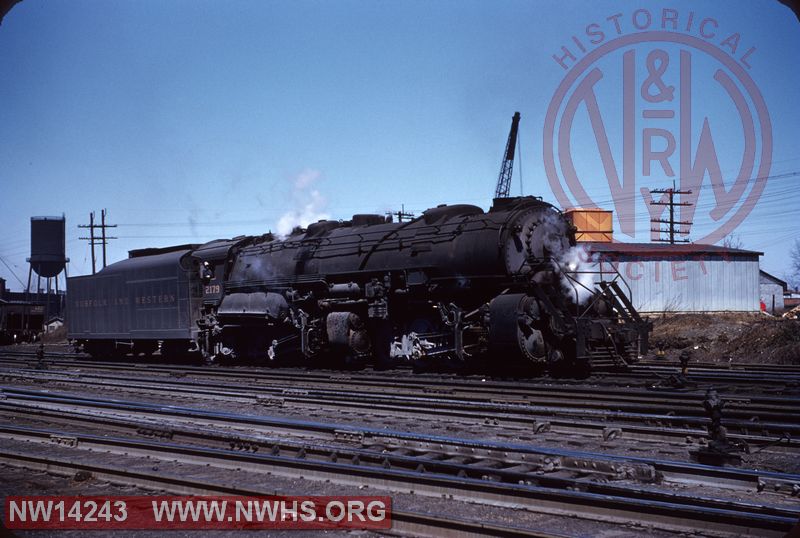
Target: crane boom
<point>507,168</point>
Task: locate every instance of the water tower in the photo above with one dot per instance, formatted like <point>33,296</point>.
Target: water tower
<point>48,256</point>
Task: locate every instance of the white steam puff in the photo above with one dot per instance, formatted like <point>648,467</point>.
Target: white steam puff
<point>308,203</point>
<point>555,240</point>
<point>577,262</point>
<point>574,265</point>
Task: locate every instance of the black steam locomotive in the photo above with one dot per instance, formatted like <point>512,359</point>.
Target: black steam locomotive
<point>456,284</point>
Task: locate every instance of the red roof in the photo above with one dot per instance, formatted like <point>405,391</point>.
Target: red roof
<point>665,249</point>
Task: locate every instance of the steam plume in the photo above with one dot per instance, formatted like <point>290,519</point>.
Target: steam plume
<point>308,203</point>
<point>576,262</point>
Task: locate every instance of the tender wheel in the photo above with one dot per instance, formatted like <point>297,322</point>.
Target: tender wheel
<point>145,347</point>
<point>175,349</point>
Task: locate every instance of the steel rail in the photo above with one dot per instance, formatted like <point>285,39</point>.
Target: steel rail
<point>678,513</point>
<point>567,459</point>
<point>646,363</point>
<point>635,372</point>
<point>688,401</point>
<point>522,414</point>
<point>744,366</point>
<point>403,522</point>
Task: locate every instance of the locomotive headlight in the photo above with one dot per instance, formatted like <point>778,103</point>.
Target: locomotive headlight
<point>572,266</point>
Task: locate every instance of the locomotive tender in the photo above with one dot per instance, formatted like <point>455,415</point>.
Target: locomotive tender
<point>456,283</point>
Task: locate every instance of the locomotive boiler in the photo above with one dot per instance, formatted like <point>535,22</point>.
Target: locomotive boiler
<point>456,284</point>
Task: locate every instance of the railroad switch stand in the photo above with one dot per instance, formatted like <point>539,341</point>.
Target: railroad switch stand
<point>40,364</point>
<point>719,450</point>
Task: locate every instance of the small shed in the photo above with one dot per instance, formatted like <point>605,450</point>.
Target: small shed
<point>772,289</point>
<point>682,278</point>
<point>791,298</point>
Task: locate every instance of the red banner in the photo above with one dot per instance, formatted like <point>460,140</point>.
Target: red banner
<point>198,512</point>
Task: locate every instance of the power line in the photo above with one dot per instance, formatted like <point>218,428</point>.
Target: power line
<point>635,196</point>
<point>519,163</point>
<point>12,272</point>
<point>402,214</point>
<point>775,196</point>
<point>671,222</point>
<point>94,240</point>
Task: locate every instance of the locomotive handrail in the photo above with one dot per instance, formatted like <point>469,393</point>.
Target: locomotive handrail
<point>272,284</point>
<point>386,236</point>
<point>614,344</point>
<point>381,242</point>
<point>573,281</point>
<point>618,275</point>
<point>385,245</point>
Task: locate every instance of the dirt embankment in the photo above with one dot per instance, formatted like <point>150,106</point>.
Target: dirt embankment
<point>728,337</point>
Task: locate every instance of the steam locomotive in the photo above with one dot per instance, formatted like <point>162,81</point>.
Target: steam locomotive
<point>455,284</point>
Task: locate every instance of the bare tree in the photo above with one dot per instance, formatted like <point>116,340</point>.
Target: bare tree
<point>794,278</point>
<point>733,241</point>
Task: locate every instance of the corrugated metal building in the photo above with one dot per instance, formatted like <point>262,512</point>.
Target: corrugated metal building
<point>772,289</point>
<point>683,278</point>
<point>660,277</point>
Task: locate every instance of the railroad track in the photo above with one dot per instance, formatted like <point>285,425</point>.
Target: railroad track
<point>615,398</point>
<point>769,376</point>
<point>646,415</point>
<point>404,523</point>
<point>507,482</point>
<point>729,366</point>
<point>591,485</point>
<point>383,447</point>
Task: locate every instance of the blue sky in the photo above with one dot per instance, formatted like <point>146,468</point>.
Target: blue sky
<point>190,121</point>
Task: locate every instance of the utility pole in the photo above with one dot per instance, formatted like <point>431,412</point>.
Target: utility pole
<point>103,227</point>
<point>94,240</point>
<point>90,238</point>
<point>402,214</point>
<point>671,222</point>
